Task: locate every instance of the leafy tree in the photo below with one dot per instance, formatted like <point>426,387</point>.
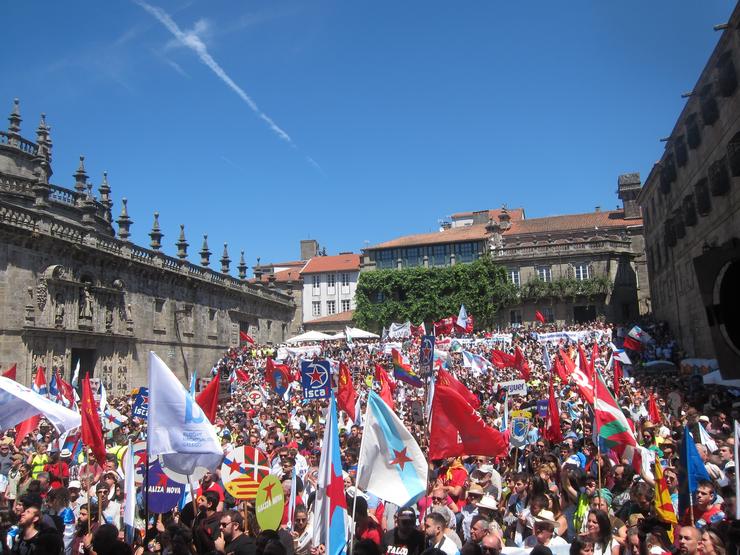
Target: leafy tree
<point>428,294</point>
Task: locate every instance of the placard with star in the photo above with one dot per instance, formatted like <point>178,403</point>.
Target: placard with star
<point>316,379</point>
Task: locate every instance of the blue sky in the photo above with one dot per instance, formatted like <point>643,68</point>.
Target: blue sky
<point>263,123</point>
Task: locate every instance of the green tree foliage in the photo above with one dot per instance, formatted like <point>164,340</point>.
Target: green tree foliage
<point>428,294</point>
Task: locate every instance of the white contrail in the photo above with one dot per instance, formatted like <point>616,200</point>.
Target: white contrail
<point>193,41</point>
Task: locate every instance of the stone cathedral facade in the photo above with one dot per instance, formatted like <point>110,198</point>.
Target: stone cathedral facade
<point>72,289</point>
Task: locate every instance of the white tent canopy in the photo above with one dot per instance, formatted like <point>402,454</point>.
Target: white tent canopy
<point>356,333</point>
<point>309,336</point>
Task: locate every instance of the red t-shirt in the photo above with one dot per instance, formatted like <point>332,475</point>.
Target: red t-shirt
<point>213,487</point>
<point>458,478</point>
<point>58,472</point>
<point>371,531</point>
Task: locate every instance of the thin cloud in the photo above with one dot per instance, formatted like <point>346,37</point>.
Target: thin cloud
<point>194,42</point>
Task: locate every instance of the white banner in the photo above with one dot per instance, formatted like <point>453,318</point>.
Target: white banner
<point>399,331</point>
<point>298,352</point>
<point>515,387</point>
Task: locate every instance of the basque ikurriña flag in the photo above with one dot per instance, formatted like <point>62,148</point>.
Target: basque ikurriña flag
<point>391,465</point>
<point>331,505</point>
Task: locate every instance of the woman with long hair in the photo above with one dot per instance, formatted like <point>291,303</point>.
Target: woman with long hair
<point>582,545</point>
<point>599,530</point>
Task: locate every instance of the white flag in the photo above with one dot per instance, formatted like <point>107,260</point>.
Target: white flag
<point>399,331</point>
<point>462,317</point>
<point>706,440</point>
<point>129,503</point>
<point>178,428</point>
<point>76,375</point>
<point>18,403</point>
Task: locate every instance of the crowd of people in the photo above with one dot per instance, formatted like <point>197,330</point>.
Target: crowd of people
<point>539,497</point>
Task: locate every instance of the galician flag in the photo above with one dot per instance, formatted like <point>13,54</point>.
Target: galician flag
<point>178,428</point>
<point>476,363</point>
<point>330,511</point>
<point>391,465</point>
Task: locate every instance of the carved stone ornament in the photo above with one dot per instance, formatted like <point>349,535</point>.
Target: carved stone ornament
<point>42,293</point>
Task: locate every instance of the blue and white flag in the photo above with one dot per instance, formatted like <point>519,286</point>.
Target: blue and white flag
<point>691,470</point>
<point>462,317</point>
<point>54,388</point>
<point>505,419</point>
<point>129,503</point>
<point>178,429</point>
<point>330,511</point>
<point>391,465</point>
<point>546,362</point>
<point>291,501</point>
<point>76,375</point>
<point>476,363</point>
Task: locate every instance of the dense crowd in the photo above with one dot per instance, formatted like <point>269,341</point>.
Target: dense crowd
<point>541,497</point>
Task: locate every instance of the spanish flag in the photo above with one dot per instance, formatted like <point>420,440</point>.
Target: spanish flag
<point>663,503</point>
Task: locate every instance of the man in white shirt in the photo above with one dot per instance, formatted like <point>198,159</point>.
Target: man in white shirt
<point>544,531</point>
<point>434,528</point>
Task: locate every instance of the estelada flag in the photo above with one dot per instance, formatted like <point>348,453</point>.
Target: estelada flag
<point>456,428</point>
<point>346,393</point>
<point>446,379</point>
<point>92,431</point>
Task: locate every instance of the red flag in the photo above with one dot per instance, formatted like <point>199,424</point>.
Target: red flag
<point>10,372</point>
<point>346,393</point>
<point>444,326</point>
<point>500,359</point>
<point>418,330</point>
<point>617,374</point>
<point>66,390</point>
<point>553,433</point>
<point>244,336</point>
<point>271,369</point>
<point>595,354</point>
<point>583,362</point>
<point>653,411</point>
<point>632,344</point>
<point>468,324</point>
<point>540,317</point>
<point>580,376</point>
<point>560,367</point>
<point>208,398</point>
<point>25,428</point>
<point>92,431</point>
<point>446,379</point>
<point>241,375</point>
<point>520,363</point>
<point>385,384</point>
<point>456,428</point>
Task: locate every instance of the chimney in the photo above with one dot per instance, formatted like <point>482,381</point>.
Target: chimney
<point>597,209</point>
<point>628,189</point>
<point>309,249</point>
<point>504,219</point>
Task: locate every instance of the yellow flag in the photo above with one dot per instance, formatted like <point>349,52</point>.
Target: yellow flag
<point>663,503</point>
<point>369,380</point>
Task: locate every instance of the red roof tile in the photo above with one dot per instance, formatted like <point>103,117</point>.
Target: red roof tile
<point>345,316</point>
<point>453,235</point>
<point>291,274</point>
<point>571,222</point>
<point>336,263</point>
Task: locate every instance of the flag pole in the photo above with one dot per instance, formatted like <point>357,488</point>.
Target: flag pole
<point>357,481</point>
<point>597,376</point>
<point>89,497</point>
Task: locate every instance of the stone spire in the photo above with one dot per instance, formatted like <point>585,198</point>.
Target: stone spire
<point>242,267</point>
<point>124,222</point>
<point>205,254</point>
<point>14,129</point>
<point>105,200</point>
<point>156,234</point>
<point>80,177</point>
<point>225,260</point>
<point>42,137</point>
<point>182,244</point>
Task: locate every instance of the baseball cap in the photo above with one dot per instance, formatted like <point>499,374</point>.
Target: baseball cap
<point>407,514</point>
<point>74,484</point>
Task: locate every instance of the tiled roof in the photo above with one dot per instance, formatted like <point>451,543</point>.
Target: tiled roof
<point>571,222</point>
<point>345,316</point>
<point>514,214</point>
<point>549,224</point>
<point>336,263</point>
<point>292,274</point>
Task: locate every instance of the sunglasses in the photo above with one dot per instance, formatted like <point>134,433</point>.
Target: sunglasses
<point>438,499</point>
